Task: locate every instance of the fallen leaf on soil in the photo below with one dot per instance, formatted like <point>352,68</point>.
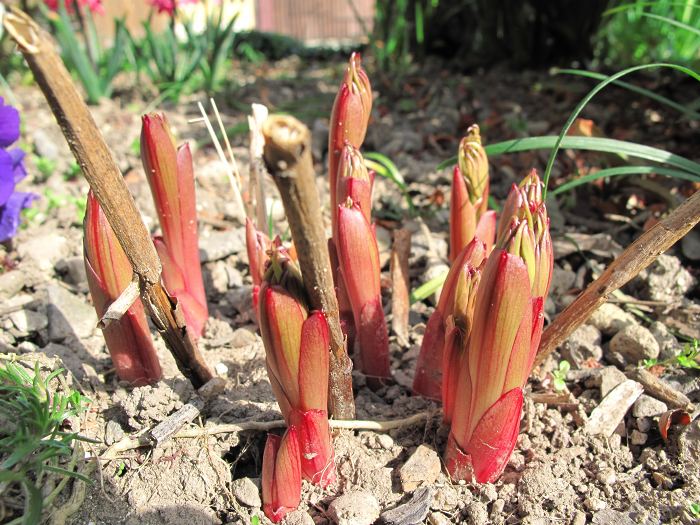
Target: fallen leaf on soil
<point>672,417</point>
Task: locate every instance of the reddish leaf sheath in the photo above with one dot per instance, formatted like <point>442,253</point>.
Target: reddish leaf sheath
<point>109,273</point>
<point>281,475</point>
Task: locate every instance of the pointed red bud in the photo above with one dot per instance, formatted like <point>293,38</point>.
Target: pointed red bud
<point>281,475</point>
<point>109,273</point>
<point>524,230</point>
<point>349,118</point>
<point>474,166</point>
<point>171,178</point>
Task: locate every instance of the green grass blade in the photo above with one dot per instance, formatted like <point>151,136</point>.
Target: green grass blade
<point>672,22</point>
<point>621,147</point>
<point>625,7</point>
<point>384,166</point>
<point>593,92</point>
<point>621,172</point>
<point>636,89</point>
<point>425,290</point>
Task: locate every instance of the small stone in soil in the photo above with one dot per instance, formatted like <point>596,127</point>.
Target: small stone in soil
<point>638,438</point>
<point>477,513</point>
<point>354,508</point>
<point>437,518</point>
<point>44,250</point>
<point>385,441</point>
<point>298,517</point>
<point>647,406</point>
<point>11,283</point>
<point>113,432</point>
<point>669,346</point>
<point>412,512</point>
<point>68,315</point>
<point>246,491</point>
<point>422,468</point>
<point>667,280</point>
<point>29,321</point>
<point>635,343</point>
<point>610,377</point>
<point>610,319</point>
<point>583,344</point>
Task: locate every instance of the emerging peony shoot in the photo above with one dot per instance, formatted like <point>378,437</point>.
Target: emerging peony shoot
<point>484,403</point>
<point>469,216</point>
<point>297,349</point>
<point>109,273</point>
<point>171,177</point>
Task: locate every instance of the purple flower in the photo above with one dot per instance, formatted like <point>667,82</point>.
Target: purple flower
<point>11,172</point>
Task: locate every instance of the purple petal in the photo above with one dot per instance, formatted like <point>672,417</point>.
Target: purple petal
<point>7,178</point>
<point>18,169</point>
<point>9,125</point>
<point>9,213</point>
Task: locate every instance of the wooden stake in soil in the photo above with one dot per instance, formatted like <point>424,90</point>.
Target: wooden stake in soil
<point>102,173</point>
<point>287,154</point>
<point>638,255</point>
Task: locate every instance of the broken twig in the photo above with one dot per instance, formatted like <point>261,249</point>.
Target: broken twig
<point>400,302</point>
<point>638,255</point>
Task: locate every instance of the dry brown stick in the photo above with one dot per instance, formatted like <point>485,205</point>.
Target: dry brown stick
<point>638,255</point>
<point>655,387</point>
<point>287,154</point>
<point>106,181</point>
<point>400,304</point>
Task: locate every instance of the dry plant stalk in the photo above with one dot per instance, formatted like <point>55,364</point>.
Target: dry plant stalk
<point>102,173</point>
<point>400,281</point>
<point>287,154</point>
<point>638,255</point>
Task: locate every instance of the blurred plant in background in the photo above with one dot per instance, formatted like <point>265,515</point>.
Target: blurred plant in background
<point>94,64</point>
<point>640,32</point>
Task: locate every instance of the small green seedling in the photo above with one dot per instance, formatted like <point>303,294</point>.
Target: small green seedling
<point>688,357</point>
<point>255,520</point>
<point>559,375</point>
<point>648,363</point>
<point>695,509</point>
<point>35,440</point>
<point>45,166</point>
<point>71,172</point>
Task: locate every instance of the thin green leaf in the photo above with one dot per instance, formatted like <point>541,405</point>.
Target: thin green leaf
<point>425,290</point>
<point>625,7</point>
<point>620,147</point>
<point>589,96</point>
<point>636,89</point>
<point>624,171</point>
<point>672,22</point>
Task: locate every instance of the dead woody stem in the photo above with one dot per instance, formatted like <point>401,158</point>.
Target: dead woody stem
<point>102,173</point>
<point>287,154</point>
<point>638,255</point>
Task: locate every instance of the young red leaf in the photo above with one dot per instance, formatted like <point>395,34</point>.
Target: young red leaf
<point>171,178</point>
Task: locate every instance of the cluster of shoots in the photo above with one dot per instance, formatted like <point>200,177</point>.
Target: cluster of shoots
<point>171,178</point>
<point>479,344</point>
